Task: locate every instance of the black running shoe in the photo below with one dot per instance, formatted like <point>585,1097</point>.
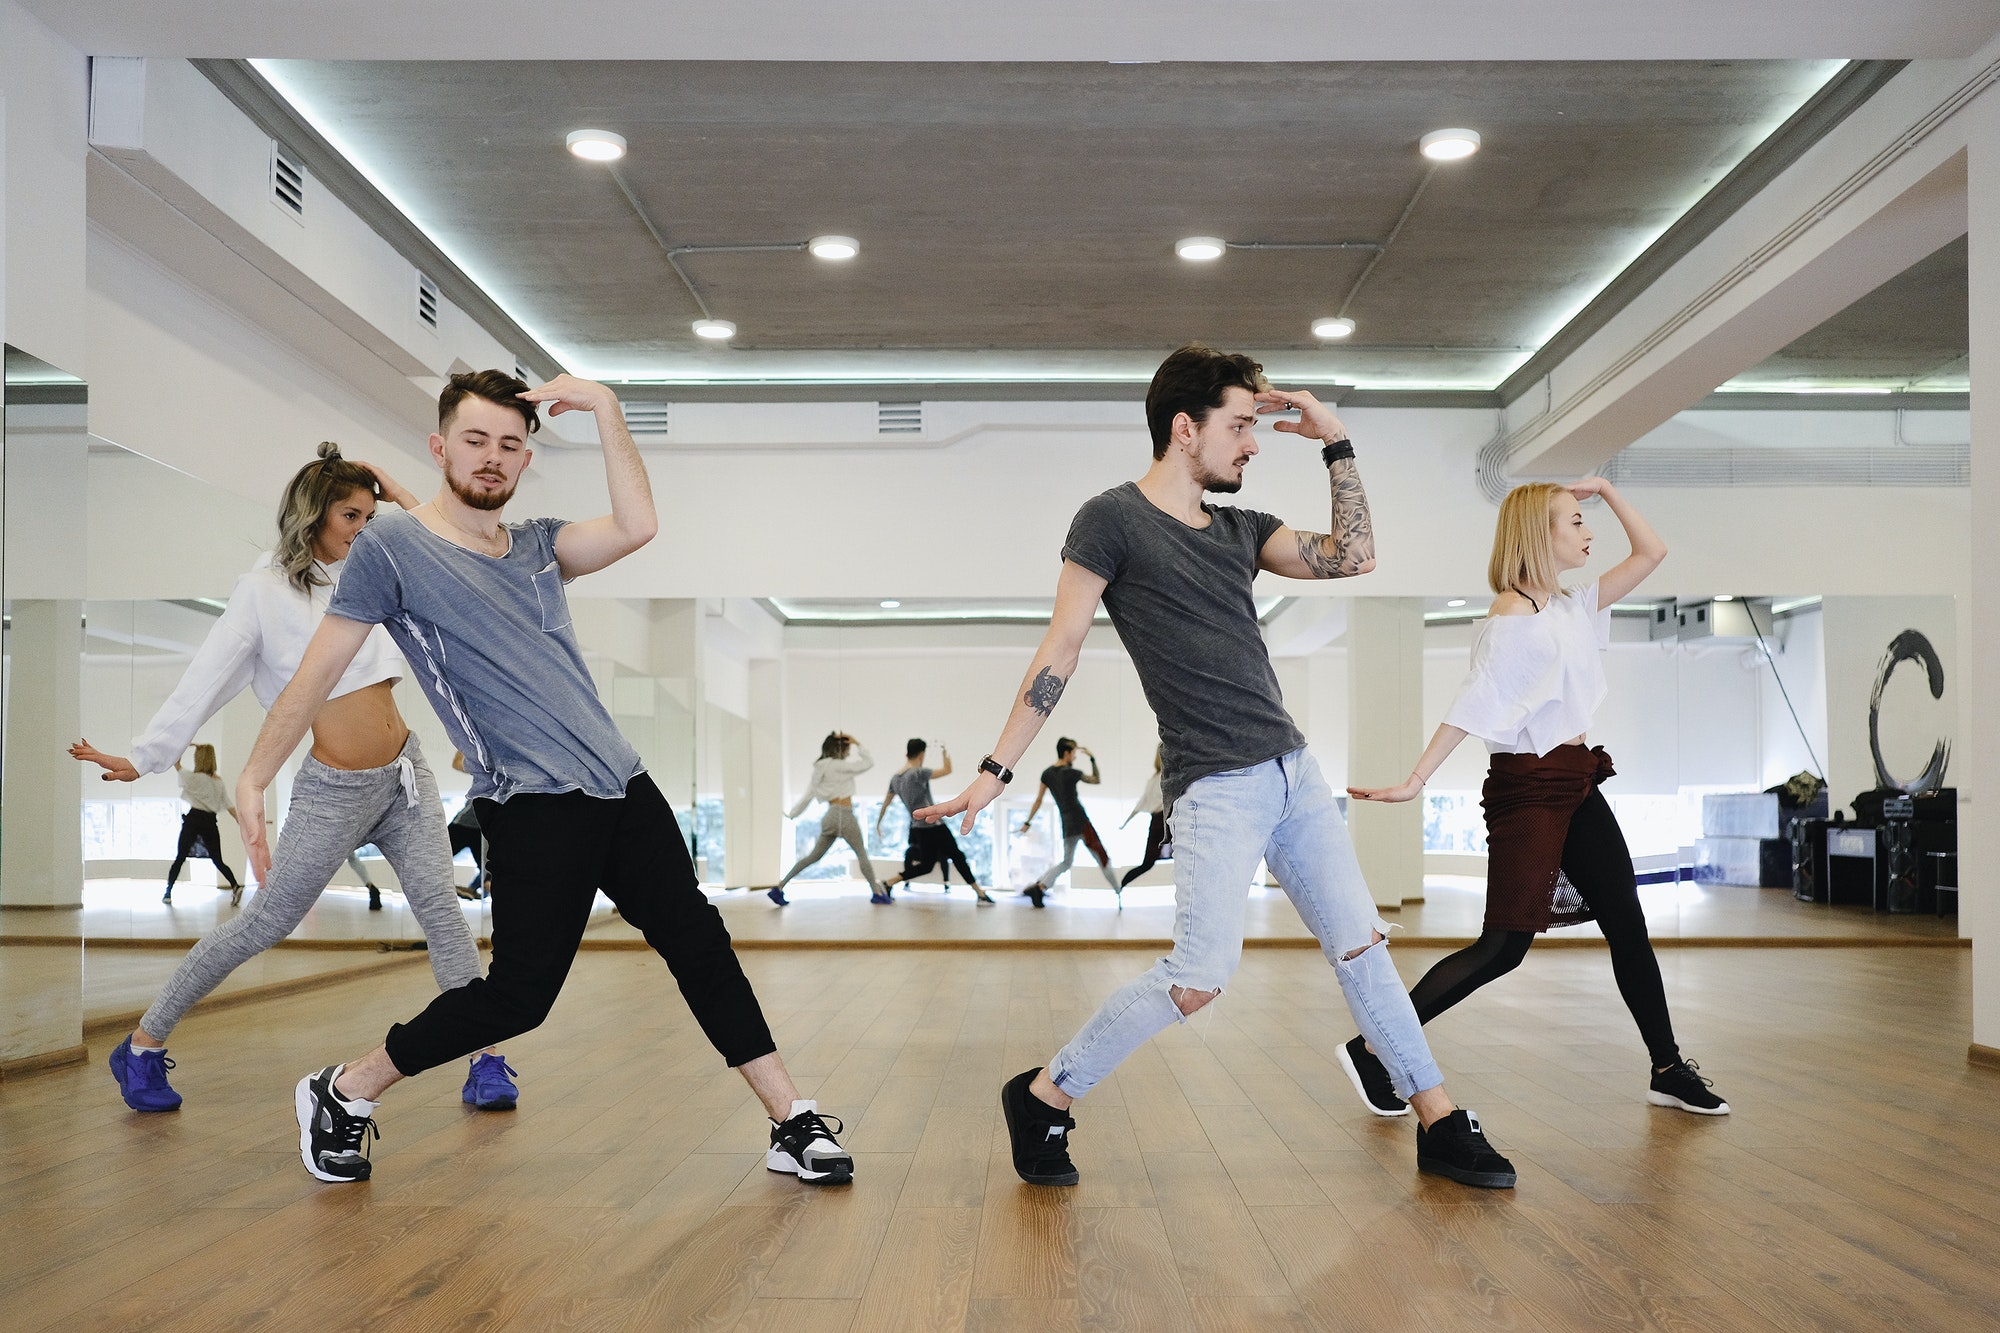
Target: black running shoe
<point>1038,1132</point>
<point>805,1147</point>
<point>1455,1147</point>
<point>332,1143</point>
<point>1035,894</point>
<point>1371,1079</point>
<point>1681,1085</point>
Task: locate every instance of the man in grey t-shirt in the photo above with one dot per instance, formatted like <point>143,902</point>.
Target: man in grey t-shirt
<point>567,809</point>
<point>930,841</point>
<point>1175,573</point>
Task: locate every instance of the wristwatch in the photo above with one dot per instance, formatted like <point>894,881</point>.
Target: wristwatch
<point>991,765</point>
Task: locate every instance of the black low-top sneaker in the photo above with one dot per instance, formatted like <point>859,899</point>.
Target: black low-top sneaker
<point>1371,1079</point>
<point>1681,1085</point>
<point>1455,1147</point>
<point>1038,1133</point>
<point>333,1142</point>
<point>804,1146</point>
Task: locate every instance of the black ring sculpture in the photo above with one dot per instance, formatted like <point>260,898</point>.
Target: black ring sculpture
<point>1909,646</point>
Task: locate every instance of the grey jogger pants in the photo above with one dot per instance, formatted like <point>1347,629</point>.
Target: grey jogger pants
<point>333,811</point>
<point>838,822</point>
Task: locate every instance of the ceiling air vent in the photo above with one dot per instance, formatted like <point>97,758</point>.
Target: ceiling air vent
<point>288,181</point>
<point>648,421</point>
<point>899,418</point>
<point>427,301</point>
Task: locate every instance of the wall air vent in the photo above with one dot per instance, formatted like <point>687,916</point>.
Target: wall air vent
<point>899,418</point>
<point>521,373</point>
<point>648,422</point>
<point>427,301</point>
<point>288,181</point>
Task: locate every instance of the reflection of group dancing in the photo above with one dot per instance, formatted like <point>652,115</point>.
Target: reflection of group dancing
<point>478,609</point>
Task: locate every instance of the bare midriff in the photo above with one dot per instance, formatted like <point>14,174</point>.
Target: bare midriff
<point>361,729</point>
<point>840,800</point>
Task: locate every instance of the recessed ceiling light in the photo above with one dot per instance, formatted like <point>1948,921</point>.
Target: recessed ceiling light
<point>1332,328</point>
<point>1456,601</point>
<point>1724,597</point>
<point>891,604</point>
<point>717,329</point>
<point>1449,145</point>
<point>1200,249</point>
<point>834,247</point>
<point>596,145</point>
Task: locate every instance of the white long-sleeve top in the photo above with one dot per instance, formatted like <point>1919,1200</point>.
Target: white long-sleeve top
<point>1150,800</point>
<point>204,791</point>
<point>833,778</point>
<point>258,642</point>
<point>1536,681</point>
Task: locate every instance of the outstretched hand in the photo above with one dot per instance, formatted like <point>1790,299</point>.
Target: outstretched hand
<point>116,768</point>
<point>1405,791</point>
<point>969,802</point>
<point>1316,420</point>
<point>250,823</point>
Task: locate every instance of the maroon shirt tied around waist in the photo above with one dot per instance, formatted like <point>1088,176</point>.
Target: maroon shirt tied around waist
<point>1529,801</point>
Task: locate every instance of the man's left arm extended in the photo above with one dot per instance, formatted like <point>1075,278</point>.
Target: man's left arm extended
<point>588,546</point>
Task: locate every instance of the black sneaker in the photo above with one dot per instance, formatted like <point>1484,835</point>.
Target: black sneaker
<point>805,1147</point>
<point>1681,1085</point>
<point>1371,1079</point>
<point>1455,1147</point>
<point>1035,894</point>
<point>332,1142</point>
<point>1038,1133</point>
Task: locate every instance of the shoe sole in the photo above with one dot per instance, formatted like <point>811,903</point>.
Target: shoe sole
<point>1361,1089</point>
<point>777,1159</point>
<point>502,1104</point>
<point>1669,1100</point>
<point>126,1098</point>
<point>1486,1180</point>
<point>1058,1178</point>
<point>303,1104</point>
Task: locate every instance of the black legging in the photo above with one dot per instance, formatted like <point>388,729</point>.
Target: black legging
<point>1599,866</point>
<point>199,837</point>
<point>1156,837</point>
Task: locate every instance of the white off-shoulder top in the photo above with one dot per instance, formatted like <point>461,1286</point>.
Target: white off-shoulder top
<point>1537,680</point>
<point>832,779</point>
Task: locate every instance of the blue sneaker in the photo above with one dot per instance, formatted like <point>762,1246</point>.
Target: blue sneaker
<point>777,896</point>
<point>487,1085</point>
<point>142,1078</point>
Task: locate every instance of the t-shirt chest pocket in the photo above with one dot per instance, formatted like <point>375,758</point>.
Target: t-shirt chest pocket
<point>554,601</point>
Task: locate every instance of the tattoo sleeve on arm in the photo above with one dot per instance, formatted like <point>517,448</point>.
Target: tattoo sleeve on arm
<point>1044,691</point>
<point>1351,544</point>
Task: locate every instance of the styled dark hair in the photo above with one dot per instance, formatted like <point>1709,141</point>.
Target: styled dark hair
<point>915,747</point>
<point>1193,381</point>
<point>495,386</point>
<point>1063,746</point>
<point>313,490</point>
<point>834,746</point>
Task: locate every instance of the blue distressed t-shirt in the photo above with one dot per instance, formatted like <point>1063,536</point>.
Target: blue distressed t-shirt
<point>489,639</point>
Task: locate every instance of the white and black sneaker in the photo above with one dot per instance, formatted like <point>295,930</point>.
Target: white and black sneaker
<point>1681,1085</point>
<point>1371,1079</point>
<point>1456,1148</point>
<point>1037,1134</point>
<point>333,1141</point>
<point>804,1146</point>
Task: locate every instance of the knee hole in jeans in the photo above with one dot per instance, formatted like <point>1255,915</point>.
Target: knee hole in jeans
<point>1187,1001</point>
<point>1377,937</point>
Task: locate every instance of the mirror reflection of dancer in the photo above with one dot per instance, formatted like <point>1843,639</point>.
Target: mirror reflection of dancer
<point>1240,785</point>
<point>1555,855</point>
<point>567,808</point>
<point>200,836</point>
<point>1154,807</point>
<point>1060,781</point>
<point>841,760</point>
<point>364,781</point>
<point>931,842</point>
<point>465,836</point>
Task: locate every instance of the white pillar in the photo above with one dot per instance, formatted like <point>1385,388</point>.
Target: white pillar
<point>41,807</point>
<point>764,824</point>
<point>1385,719</point>
<point>1979,862</point>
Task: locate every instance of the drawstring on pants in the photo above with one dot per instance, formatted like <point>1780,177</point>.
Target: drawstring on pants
<point>406,773</point>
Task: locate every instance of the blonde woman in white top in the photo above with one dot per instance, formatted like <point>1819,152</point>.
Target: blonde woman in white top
<point>206,797</point>
<point>1555,855</point>
<point>841,760</point>
<point>364,782</point>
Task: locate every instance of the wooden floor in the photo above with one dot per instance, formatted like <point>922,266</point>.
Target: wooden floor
<point>1231,1181</point>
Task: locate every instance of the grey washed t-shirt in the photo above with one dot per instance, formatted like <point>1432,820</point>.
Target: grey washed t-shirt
<point>489,639</point>
<point>913,785</point>
<point>1179,598</point>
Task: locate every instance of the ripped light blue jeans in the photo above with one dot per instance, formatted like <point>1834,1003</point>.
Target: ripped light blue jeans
<point>1283,812</point>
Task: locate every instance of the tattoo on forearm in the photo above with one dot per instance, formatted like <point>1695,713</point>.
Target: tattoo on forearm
<point>1351,544</point>
<point>1044,691</point>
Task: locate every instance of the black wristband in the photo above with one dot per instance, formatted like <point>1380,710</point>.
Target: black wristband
<point>1336,451</point>
<point>991,765</point>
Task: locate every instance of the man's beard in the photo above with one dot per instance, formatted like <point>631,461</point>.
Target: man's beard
<point>477,499</point>
<point>1218,484</point>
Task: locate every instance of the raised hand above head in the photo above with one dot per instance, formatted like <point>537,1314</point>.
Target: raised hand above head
<point>1316,420</point>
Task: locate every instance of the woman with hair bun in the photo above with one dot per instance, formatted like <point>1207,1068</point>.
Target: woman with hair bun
<point>364,782</point>
<point>1555,855</point>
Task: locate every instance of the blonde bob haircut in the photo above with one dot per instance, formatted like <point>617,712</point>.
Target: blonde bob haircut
<point>204,759</point>
<point>1524,538</point>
